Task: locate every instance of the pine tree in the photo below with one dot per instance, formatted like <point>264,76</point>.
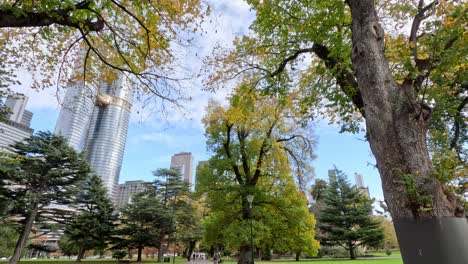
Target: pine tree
<point>42,170</point>
<point>94,225</point>
<point>152,217</point>
<point>345,219</point>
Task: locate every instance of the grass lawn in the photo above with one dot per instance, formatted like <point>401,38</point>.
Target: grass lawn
<point>179,260</point>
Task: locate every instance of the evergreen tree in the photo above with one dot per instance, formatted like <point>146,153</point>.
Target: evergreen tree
<point>93,226</point>
<point>68,247</point>
<point>345,219</point>
<point>317,191</point>
<point>151,218</point>
<point>43,170</point>
<point>140,224</point>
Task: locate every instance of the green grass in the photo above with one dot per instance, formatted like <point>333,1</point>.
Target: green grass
<point>382,254</point>
<point>180,260</point>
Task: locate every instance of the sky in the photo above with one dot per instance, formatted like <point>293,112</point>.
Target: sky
<point>152,138</point>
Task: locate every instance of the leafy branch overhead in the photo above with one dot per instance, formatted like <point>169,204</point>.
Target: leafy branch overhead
<point>135,38</point>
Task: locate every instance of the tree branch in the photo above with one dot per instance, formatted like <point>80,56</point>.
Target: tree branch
<point>17,18</point>
<point>227,149</point>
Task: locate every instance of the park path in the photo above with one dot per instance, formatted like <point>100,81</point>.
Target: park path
<point>200,261</point>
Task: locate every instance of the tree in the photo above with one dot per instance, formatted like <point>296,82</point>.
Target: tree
<point>44,170</point>
<point>345,219</point>
<point>190,231</point>
<point>152,217</point>
<point>94,224</point>
<point>317,191</point>
<point>256,149</point>
<point>9,238</point>
<point>137,40</point>
<point>140,223</point>
<point>67,246</point>
<point>390,239</point>
<point>410,89</point>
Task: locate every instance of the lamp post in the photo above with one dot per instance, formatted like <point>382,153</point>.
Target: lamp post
<point>250,200</point>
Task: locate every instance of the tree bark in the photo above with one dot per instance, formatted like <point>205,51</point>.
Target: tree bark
<point>245,256</point>
<point>81,254</point>
<point>298,255</point>
<point>160,251</point>
<point>396,124</point>
<point>191,247</point>
<point>140,248</point>
<point>352,253</point>
<point>20,244</point>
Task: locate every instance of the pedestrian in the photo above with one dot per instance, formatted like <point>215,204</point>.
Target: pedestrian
<point>216,258</point>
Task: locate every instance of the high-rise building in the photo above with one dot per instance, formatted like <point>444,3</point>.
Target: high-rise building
<point>127,190</point>
<point>359,180</point>
<point>105,144</point>
<point>17,104</point>
<point>360,184</point>
<point>183,162</point>
<point>95,119</point>
<point>16,126</point>
<point>331,175</point>
<point>75,115</point>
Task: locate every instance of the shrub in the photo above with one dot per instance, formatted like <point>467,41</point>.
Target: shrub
<point>119,254</point>
<point>388,252</point>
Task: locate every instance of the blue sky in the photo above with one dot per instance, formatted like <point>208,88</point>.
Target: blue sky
<point>153,139</point>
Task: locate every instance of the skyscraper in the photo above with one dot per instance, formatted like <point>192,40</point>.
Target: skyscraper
<point>16,126</point>
<point>128,189</point>
<point>183,162</point>
<point>95,119</point>
<point>360,184</point>
<point>331,176</point>
<point>75,115</point>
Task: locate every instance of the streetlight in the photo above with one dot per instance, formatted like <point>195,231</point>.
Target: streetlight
<point>250,200</point>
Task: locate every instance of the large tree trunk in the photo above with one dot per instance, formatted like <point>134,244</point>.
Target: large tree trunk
<point>396,129</point>
<point>140,249</point>
<point>160,250</point>
<point>81,254</point>
<point>246,251</point>
<point>191,247</point>
<point>352,251</point>
<point>23,238</point>
<point>245,256</point>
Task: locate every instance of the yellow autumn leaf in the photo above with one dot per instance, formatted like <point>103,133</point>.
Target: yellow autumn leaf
<point>423,56</point>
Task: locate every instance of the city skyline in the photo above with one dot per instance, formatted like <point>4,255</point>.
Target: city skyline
<point>153,136</point>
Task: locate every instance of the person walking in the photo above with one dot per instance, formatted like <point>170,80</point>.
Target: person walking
<point>216,258</point>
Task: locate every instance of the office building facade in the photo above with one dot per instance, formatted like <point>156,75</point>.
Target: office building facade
<point>183,162</point>
<point>359,179</point>
<point>127,190</point>
<point>16,127</point>
<point>95,119</point>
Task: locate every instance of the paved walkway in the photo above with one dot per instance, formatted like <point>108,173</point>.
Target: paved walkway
<point>200,261</point>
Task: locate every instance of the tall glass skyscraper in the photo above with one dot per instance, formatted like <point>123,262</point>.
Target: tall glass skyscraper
<point>95,119</point>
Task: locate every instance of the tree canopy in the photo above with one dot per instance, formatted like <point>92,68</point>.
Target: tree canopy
<point>43,171</point>
<point>51,37</point>
<point>93,226</point>
<point>355,61</point>
<point>255,148</point>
